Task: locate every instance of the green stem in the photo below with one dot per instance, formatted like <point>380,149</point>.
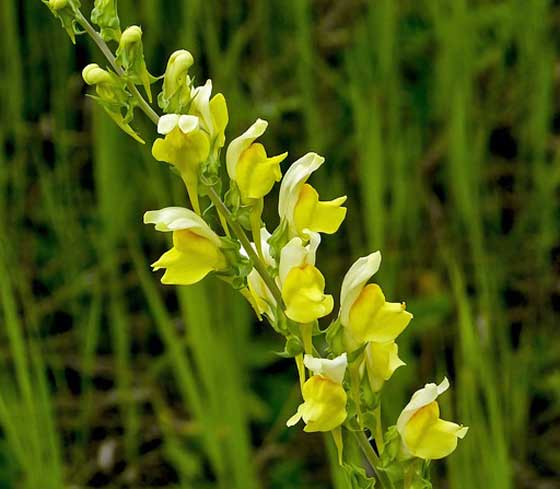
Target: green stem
<point>214,197</point>
<point>102,45</point>
<point>379,429</point>
<point>372,459</point>
<point>238,230</point>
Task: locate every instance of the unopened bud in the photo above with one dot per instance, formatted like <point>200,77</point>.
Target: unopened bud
<point>130,56</point>
<point>131,35</point>
<point>93,74</point>
<point>176,92</point>
<point>105,15</point>
<point>58,4</point>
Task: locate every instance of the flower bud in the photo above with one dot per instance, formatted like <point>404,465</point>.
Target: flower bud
<point>93,74</point>
<point>381,361</point>
<point>104,14</point>
<point>58,4</point>
<point>176,92</point>
<point>130,56</point>
<point>131,36</point>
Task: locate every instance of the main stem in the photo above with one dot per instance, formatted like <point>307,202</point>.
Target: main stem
<point>372,459</point>
<point>214,197</point>
<point>238,230</point>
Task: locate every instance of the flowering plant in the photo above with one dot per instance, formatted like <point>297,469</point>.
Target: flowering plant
<point>277,273</point>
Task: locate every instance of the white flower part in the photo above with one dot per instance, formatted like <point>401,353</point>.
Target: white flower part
<point>291,185</point>
<point>354,281</point>
<point>188,123</point>
<point>422,397</point>
<point>295,254</point>
<point>256,284</point>
<point>241,143</point>
<point>333,369</point>
<point>167,123</point>
<point>177,218</point>
<point>200,97</point>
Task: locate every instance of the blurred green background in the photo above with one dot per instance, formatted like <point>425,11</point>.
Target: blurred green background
<point>439,119</point>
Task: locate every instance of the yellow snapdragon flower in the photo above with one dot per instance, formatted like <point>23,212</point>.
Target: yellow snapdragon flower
<point>324,406</point>
<point>423,433</point>
<point>380,362</point>
<point>249,166</point>
<point>185,146</point>
<point>299,203</point>
<point>212,112</point>
<point>301,283</point>
<point>196,248</point>
<point>364,312</point>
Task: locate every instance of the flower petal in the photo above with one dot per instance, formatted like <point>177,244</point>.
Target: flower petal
<point>167,123</point>
<point>291,185</point>
<point>419,399</point>
<point>321,217</point>
<point>180,268</point>
<point>354,281</point>
<point>176,218</point>
<point>303,293</point>
<point>296,254</point>
<point>333,369</point>
<point>188,123</point>
<point>242,143</point>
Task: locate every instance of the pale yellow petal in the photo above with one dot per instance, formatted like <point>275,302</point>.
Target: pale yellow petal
<point>321,217</point>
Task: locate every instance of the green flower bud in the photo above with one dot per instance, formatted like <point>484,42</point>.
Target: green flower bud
<point>176,93</point>
<point>113,96</point>
<point>130,56</point>
<point>131,36</point>
<point>64,10</point>
<point>93,74</point>
<point>105,15</point>
<point>58,4</point>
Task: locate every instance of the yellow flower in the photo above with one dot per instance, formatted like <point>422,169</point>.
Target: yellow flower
<point>364,312</point>
<point>185,146</point>
<point>299,202</point>
<point>302,284</point>
<point>196,248</point>
<point>423,433</point>
<point>250,167</point>
<point>380,362</point>
<point>324,406</point>
<point>213,113</point>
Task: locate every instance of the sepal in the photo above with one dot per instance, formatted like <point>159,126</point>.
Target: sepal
<point>293,347</point>
<point>105,15</point>
<point>357,477</point>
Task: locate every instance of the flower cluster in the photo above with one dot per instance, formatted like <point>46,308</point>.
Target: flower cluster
<point>342,377</point>
<point>362,339</point>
